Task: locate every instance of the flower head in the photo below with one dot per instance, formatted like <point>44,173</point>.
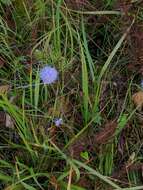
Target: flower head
<point>48,74</point>
<point>58,122</point>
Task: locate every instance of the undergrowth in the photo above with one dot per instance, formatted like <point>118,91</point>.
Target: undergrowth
<point>98,142</point>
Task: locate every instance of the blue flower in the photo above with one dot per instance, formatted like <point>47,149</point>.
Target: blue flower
<point>58,122</point>
<point>48,74</point>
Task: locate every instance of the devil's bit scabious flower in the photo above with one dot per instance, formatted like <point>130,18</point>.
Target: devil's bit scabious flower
<point>58,122</point>
<point>48,74</point>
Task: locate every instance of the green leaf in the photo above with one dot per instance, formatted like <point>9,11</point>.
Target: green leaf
<point>39,55</point>
<point>28,187</point>
<point>85,155</point>
<point>85,83</point>
<point>15,187</point>
<point>87,53</point>
<point>5,178</point>
<point>98,118</point>
<point>6,2</point>
<point>122,121</point>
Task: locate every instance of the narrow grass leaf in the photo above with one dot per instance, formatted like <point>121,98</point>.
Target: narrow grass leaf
<point>58,33</point>
<point>106,65</point>
<point>5,178</point>
<point>133,188</point>
<point>96,12</point>
<point>84,84</point>
<point>94,172</point>
<point>36,90</point>
<point>89,59</point>
<point>28,187</point>
<point>114,51</point>
<point>89,169</point>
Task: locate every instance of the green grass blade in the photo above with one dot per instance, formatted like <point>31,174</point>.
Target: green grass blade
<point>94,172</point>
<point>36,90</point>
<point>5,178</point>
<point>133,188</point>
<point>84,84</point>
<point>106,65</point>
<point>87,54</point>
<point>28,187</point>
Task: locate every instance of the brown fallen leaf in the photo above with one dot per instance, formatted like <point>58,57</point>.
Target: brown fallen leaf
<point>138,99</point>
<point>107,133</point>
<point>9,122</point>
<point>6,120</point>
<point>4,89</point>
<point>54,183</point>
<point>2,62</point>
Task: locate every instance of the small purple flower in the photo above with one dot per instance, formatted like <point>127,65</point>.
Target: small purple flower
<point>48,74</point>
<point>58,122</point>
